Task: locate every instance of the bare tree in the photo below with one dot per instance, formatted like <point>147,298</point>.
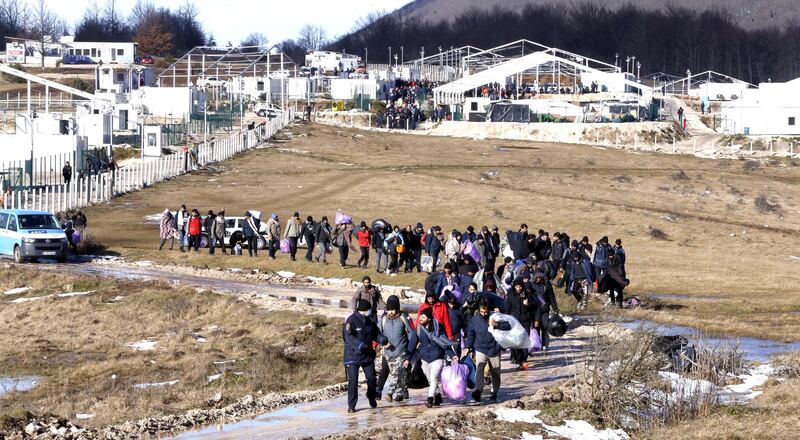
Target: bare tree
<point>256,39</point>
<point>141,10</point>
<point>312,37</point>
<point>46,28</point>
<point>14,17</point>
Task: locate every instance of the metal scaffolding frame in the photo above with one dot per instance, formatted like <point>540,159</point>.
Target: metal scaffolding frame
<point>488,58</point>
<point>226,62</point>
<point>682,85</point>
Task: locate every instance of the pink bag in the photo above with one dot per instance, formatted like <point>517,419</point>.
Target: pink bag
<point>285,246</point>
<point>454,381</point>
<point>343,219</point>
<point>76,236</point>
<point>536,341</point>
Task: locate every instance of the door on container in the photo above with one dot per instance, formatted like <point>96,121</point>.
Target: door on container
<point>123,120</point>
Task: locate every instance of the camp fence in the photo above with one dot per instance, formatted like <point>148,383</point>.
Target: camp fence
<point>90,188</point>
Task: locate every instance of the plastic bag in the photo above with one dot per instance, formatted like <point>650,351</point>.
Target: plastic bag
<point>343,219</point>
<point>536,341</point>
<point>471,369</point>
<point>455,291</point>
<point>469,249</point>
<point>517,337</point>
<point>417,379</point>
<point>286,246</point>
<point>76,236</point>
<point>426,262</point>
<point>454,381</point>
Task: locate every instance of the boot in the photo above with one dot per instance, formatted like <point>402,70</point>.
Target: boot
<point>388,398</point>
<point>476,395</point>
<point>398,398</point>
<point>372,402</point>
<point>429,402</point>
<point>437,399</point>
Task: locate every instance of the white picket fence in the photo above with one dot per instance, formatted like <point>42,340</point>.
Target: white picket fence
<point>100,188</point>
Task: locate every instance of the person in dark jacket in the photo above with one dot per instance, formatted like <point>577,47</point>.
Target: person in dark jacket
<point>370,293</point>
<point>523,309</point>
<point>469,234</point>
<point>208,226</point>
<point>414,244</point>
<point>559,249</point>
<point>487,350</point>
<point>432,344</point>
<point>542,294</point>
<point>309,229</point>
<point>322,236</point>
<point>615,280</point>
<point>600,259</point>
<point>378,238</point>
<point>619,251</point>
<point>542,247</point>
<point>457,323</point>
<point>250,232</point>
<point>579,277</point>
<point>490,250</point>
<point>434,245</point>
<point>359,333</point>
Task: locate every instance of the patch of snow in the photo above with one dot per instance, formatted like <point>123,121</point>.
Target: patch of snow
<point>25,300</point>
<point>235,270</point>
<point>143,263</point>
<point>69,294</point>
<point>143,345</point>
<point>17,291</point>
<point>214,377</point>
<point>285,274</point>
<point>583,430</point>
<point>142,386</point>
<point>513,415</point>
<point>84,416</point>
<point>153,218</point>
<point>743,392</point>
<point>794,257</point>
<point>684,387</point>
<point>200,339</point>
<point>527,436</point>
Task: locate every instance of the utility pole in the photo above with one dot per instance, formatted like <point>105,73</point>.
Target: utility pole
<point>31,117</point>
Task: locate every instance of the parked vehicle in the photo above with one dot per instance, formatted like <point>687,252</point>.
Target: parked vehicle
<point>233,228</point>
<point>263,109</point>
<point>211,81</point>
<point>147,60</point>
<point>28,235</point>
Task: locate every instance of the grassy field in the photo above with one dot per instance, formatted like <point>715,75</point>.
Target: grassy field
<point>78,345</point>
<point>721,244</point>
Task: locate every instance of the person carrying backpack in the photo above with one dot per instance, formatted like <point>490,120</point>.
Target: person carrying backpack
<point>359,333</point>
<point>396,327</point>
<point>370,293</point>
<point>433,346</point>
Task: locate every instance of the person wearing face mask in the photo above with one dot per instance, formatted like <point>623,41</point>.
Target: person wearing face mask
<point>429,340</point>
<point>359,333</point>
<point>396,326</point>
<point>487,351</point>
<point>542,294</point>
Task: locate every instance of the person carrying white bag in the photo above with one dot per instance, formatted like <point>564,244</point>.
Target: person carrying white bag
<point>481,339</point>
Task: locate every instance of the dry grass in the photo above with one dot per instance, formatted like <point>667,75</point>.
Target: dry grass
<point>770,416</point>
<point>408,178</point>
<point>78,345</point>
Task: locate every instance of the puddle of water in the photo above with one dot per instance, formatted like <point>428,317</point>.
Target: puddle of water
<point>9,385</point>
<point>753,348</point>
<point>307,420</point>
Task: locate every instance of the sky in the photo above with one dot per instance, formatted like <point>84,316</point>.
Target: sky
<point>233,20</point>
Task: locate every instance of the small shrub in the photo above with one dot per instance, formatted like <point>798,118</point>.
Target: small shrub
<point>680,176</point>
<point>658,234</point>
<point>751,165</point>
<point>787,365</point>
<point>766,206</point>
<point>13,78</point>
<point>89,244</point>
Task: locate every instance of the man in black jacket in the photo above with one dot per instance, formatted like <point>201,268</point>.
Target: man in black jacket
<point>523,309</point>
<point>486,348</point>
<point>359,332</point>
<point>309,230</point>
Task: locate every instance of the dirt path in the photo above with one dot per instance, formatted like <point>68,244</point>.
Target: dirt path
<point>328,417</point>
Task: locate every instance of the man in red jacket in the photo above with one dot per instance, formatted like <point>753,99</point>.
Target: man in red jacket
<point>440,313</point>
<point>364,236</point>
<point>195,229</point>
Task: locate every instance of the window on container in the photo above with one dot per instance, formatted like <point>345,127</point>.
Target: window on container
<point>473,107</point>
<point>791,120</point>
<point>120,52</point>
<point>94,52</point>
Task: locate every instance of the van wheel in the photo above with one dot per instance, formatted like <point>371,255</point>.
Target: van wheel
<point>18,255</point>
<point>261,243</point>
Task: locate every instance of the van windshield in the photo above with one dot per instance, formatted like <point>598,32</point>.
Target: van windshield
<point>37,221</point>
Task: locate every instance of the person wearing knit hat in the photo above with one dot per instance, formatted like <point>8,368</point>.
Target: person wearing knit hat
<point>429,341</point>
<point>360,332</point>
<point>396,327</point>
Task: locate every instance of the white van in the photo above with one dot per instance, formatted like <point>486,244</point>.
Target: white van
<point>28,235</point>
